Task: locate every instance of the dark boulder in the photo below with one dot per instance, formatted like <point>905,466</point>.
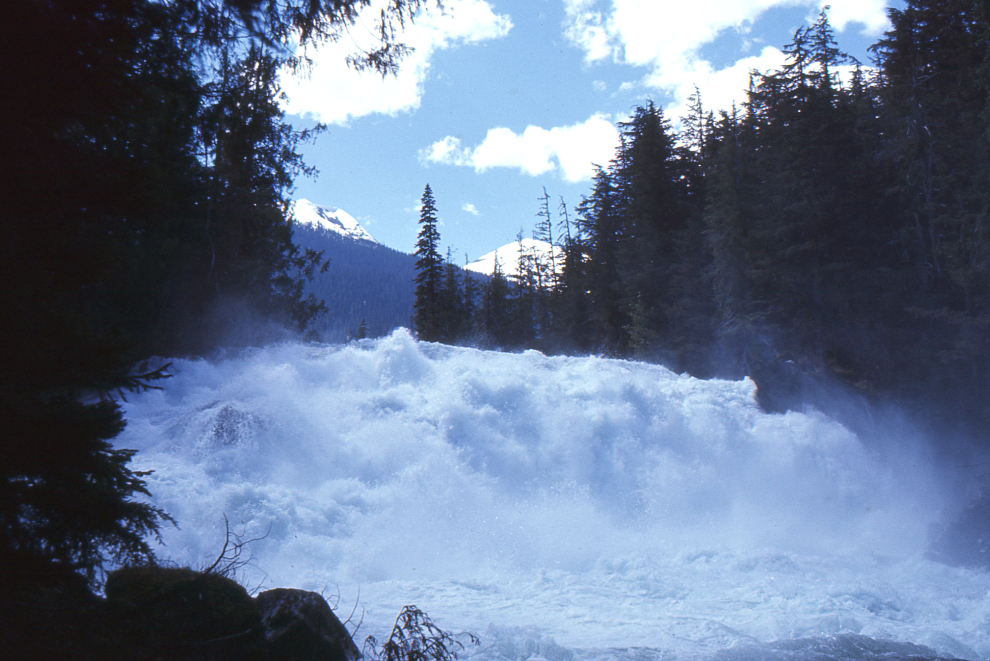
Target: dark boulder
<point>300,625</point>
<point>173,612</point>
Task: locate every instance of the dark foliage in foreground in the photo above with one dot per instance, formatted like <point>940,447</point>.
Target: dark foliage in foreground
<point>415,637</point>
<point>147,174</point>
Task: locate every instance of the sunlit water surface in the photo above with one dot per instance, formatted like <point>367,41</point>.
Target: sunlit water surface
<point>560,508</point>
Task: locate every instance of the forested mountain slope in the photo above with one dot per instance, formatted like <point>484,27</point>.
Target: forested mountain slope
<point>365,281</point>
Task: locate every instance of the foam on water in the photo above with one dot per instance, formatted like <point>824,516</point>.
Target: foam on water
<point>550,504</point>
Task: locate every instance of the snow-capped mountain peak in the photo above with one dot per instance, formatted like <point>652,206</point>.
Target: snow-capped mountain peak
<point>330,219</point>
<point>508,257</point>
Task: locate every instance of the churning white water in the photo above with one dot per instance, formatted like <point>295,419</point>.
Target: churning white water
<point>560,508</point>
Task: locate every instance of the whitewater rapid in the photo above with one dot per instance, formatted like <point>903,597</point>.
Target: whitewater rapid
<point>557,507</point>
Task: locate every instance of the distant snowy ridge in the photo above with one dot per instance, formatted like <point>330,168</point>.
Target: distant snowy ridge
<point>508,257</point>
<point>331,219</point>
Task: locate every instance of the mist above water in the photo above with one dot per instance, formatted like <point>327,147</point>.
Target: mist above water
<point>600,503</point>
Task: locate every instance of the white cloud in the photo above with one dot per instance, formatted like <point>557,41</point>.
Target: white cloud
<point>667,37</point>
<point>572,150</point>
<point>447,151</point>
<point>334,93</point>
<point>532,151</point>
<point>719,88</point>
<point>872,14</point>
<point>470,208</point>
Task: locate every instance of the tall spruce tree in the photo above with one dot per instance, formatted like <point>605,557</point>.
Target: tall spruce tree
<point>599,220</point>
<point>548,269</point>
<point>452,302</point>
<point>497,308</point>
<point>428,311</point>
<point>571,326</point>
<point>526,297</point>
<point>656,204</point>
<point>727,237</point>
<point>249,258</point>
<point>469,326</point>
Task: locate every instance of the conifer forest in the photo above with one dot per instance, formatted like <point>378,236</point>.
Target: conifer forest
<point>831,228</point>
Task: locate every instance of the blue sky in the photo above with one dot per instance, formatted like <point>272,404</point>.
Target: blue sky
<point>505,97</point>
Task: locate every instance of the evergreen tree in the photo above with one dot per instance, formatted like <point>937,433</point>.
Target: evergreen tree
<point>547,267</point>
<point>497,309</point>
<point>253,159</point>
<point>526,295</point>
<point>692,311</point>
<point>696,128</point>
<point>428,309</point>
<point>143,189</point>
<point>470,305</point>
<point>571,315</point>
<point>727,209</point>
<point>655,202</point>
<point>102,186</point>
<point>451,302</point>
<point>547,271</point>
<point>599,220</point>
